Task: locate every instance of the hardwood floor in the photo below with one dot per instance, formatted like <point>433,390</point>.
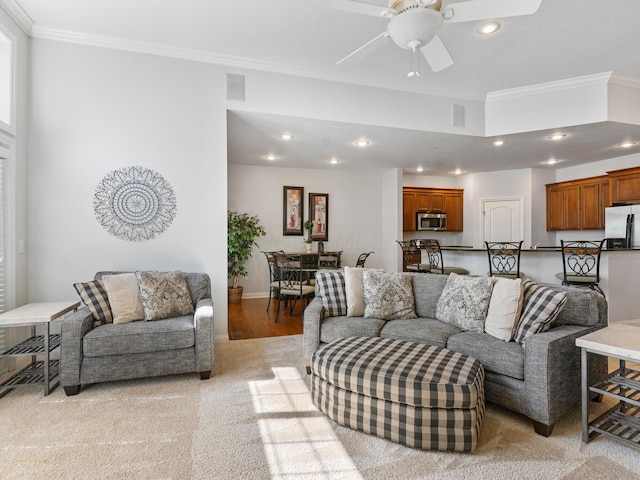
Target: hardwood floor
<point>250,319</point>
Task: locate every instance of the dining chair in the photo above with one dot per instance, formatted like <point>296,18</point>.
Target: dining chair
<point>581,263</point>
<point>504,259</point>
<point>436,264</point>
<point>329,260</point>
<point>362,258</point>
<point>412,257</point>
<point>292,284</point>
<point>273,275</point>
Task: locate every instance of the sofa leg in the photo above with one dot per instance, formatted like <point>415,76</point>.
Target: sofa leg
<point>72,390</point>
<point>205,375</point>
<point>308,370</point>
<point>542,429</point>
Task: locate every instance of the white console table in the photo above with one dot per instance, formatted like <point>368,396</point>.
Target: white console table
<point>622,421</point>
<point>38,371</point>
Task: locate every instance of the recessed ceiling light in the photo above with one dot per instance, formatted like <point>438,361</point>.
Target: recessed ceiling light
<point>557,136</point>
<point>271,157</point>
<point>551,161</point>
<point>627,144</point>
<point>498,143</point>
<point>362,142</point>
<point>487,28</point>
<point>457,171</point>
<point>286,136</point>
<point>419,169</point>
<point>334,161</point>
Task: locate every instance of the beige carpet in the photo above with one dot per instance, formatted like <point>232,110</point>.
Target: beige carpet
<point>254,420</point>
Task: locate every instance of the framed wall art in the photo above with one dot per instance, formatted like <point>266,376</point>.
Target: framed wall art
<point>319,215</point>
<point>293,211</point>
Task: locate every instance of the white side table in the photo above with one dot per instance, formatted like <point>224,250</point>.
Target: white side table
<point>38,371</point>
<point>622,421</point>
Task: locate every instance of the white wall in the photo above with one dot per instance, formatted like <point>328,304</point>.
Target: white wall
<point>355,217</point>
<point>97,110</point>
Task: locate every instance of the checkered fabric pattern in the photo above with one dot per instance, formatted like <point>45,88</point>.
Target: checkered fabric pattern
<point>331,287</point>
<point>418,395</point>
<point>94,296</point>
<point>541,306</point>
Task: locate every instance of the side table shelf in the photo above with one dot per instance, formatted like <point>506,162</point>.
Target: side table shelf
<point>623,419</point>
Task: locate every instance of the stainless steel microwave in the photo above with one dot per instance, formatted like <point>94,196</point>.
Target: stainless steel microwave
<point>431,221</point>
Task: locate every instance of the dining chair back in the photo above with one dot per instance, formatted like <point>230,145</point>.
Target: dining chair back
<point>362,258</point>
<point>504,259</point>
<point>329,259</point>
<point>292,282</point>
<point>273,274</point>
<point>581,263</point>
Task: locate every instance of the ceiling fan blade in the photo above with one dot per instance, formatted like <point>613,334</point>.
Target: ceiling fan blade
<point>484,9</point>
<point>354,6</point>
<point>365,50</point>
<point>436,54</point>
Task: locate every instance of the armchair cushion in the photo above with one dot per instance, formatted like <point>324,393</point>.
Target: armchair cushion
<point>164,295</point>
<point>95,297</point>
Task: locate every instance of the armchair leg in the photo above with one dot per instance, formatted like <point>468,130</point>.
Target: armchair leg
<point>542,429</point>
<point>72,390</point>
<point>205,375</point>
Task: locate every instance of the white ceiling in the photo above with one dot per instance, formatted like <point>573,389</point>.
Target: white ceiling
<point>564,39</point>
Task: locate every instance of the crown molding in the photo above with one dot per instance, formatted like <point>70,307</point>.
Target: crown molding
<point>18,15</point>
<point>250,63</point>
<point>625,80</point>
<point>548,87</point>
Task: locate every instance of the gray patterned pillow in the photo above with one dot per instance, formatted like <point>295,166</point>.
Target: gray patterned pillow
<point>464,302</point>
<point>164,295</point>
<point>388,296</point>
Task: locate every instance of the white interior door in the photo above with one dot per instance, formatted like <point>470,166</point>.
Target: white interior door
<point>503,220</point>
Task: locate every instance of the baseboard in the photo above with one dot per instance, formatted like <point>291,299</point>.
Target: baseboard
<point>256,295</point>
<point>220,338</point>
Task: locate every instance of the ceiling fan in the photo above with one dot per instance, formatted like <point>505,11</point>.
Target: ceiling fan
<point>414,24</point>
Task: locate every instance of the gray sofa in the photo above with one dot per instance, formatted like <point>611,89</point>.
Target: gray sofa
<point>138,349</point>
<point>541,381</point>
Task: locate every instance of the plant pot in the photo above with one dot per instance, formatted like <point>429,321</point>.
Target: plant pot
<point>235,294</point>
<point>308,246</point>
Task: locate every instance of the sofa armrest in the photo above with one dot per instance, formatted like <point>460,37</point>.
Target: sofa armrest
<point>73,329</point>
<point>552,371</point>
<point>312,319</point>
<point>203,323</point>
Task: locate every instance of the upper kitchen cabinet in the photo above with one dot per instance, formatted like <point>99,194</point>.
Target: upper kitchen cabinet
<point>625,185</point>
<point>577,204</point>
<point>448,200</point>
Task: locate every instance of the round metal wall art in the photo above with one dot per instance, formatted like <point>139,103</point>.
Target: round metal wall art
<point>134,203</point>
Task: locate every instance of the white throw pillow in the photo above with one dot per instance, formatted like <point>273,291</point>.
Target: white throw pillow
<point>504,308</point>
<point>354,286</point>
<point>124,297</point>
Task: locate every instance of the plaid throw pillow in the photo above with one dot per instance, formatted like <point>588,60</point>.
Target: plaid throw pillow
<point>542,305</point>
<point>94,296</point>
<point>331,287</point>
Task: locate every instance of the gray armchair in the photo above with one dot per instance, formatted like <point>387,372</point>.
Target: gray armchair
<point>138,349</point>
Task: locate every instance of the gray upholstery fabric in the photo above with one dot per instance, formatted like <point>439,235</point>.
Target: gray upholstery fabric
<point>426,292</point>
<point>139,349</point>
<point>497,356</point>
<point>334,328</point>
<point>422,330</point>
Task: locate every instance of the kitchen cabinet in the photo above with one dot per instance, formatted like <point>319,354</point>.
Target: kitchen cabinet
<point>577,204</point>
<point>625,185</point>
<point>448,200</point>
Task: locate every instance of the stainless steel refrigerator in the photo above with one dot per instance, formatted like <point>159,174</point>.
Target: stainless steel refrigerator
<point>622,226</point>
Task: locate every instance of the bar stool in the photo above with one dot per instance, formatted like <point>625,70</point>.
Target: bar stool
<point>504,259</point>
<point>581,263</point>
<point>361,259</point>
<point>412,257</point>
<point>432,247</point>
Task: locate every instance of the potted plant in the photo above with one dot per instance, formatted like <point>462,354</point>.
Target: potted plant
<point>242,232</point>
<point>308,225</point>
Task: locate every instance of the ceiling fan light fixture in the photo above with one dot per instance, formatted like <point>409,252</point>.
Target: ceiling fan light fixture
<point>414,27</point>
<point>489,28</point>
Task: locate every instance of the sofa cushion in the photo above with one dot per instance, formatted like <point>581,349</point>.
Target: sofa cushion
<point>541,307</point>
<point>388,296</point>
<point>330,286</point>
<point>584,306</point>
<point>335,328</point>
<point>495,355</point>
<point>139,337</point>
<point>94,296</point>
<point>421,330</point>
<point>164,295</point>
<point>504,308</point>
<point>426,293</point>
<point>124,297</point>
<point>354,288</point>
<point>464,302</point>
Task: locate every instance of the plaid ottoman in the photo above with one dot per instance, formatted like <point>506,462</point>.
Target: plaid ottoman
<point>418,395</point>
